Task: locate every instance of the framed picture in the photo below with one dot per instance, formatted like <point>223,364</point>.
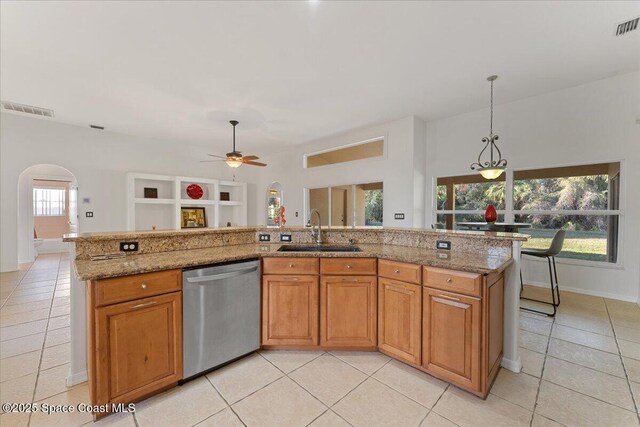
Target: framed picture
<point>193,218</point>
<point>150,193</point>
<point>225,196</point>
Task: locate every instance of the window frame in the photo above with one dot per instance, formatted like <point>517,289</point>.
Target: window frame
<point>382,138</point>
<point>63,190</point>
<point>510,213</point>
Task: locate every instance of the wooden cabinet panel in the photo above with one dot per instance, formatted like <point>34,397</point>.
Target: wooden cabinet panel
<point>402,271</point>
<point>138,347</point>
<point>348,311</point>
<point>350,266</point>
<point>290,310</point>
<point>290,265</point>
<point>495,328</point>
<point>127,288</point>
<point>400,319</point>
<point>451,337</point>
<point>453,281</point>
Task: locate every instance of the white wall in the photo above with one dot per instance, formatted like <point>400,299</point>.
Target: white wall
<point>403,156</point>
<point>99,160</point>
<point>591,123</point>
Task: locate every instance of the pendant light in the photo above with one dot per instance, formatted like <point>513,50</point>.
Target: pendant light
<point>491,168</point>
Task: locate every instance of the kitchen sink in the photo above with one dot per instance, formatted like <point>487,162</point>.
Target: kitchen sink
<point>319,248</point>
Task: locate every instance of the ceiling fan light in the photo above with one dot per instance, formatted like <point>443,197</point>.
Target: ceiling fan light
<point>491,173</point>
<point>233,163</point>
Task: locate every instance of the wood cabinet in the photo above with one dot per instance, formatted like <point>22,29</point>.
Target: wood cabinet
<point>400,319</point>
<point>134,346</point>
<point>348,310</point>
<point>290,310</point>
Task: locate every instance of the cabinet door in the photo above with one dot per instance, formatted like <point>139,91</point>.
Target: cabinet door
<point>400,319</point>
<point>451,337</point>
<point>139,347</point>
<point>290,310</point>
<point>348,311</point>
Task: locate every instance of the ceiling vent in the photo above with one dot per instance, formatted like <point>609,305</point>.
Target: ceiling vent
<point>28,109</point>
<point>627,26</point>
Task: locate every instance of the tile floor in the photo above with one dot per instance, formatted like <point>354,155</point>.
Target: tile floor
<point>581,368</point>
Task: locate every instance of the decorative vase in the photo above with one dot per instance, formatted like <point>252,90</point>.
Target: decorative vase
<point>490,215</point>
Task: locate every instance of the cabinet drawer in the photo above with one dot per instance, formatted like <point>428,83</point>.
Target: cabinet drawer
<point>356,266</point>
<point>402,271</point>
<point>454,281</point>
<point>126,288</point>
<point>290,265</point>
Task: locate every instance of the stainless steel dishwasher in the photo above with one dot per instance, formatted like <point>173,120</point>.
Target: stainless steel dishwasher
<point>221,315</point>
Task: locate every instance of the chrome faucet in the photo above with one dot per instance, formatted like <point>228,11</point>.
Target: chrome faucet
<point>316,234</point>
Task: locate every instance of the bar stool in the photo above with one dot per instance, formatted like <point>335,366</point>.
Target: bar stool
<point>550,255</point>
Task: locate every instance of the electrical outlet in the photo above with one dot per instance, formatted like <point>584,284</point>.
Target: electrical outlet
<point>398,216</point>
<point>89,214</point>
<point>443,244</point>
<point>264,237</point>
<point>296,214</point>
<point>285,237</point>
<point>129,246</point>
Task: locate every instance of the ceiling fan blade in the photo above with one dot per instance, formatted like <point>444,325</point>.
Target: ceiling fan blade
<point>252,163</point>
<point>213,155</point>
<point>250,157</point>
<point>210,161</point>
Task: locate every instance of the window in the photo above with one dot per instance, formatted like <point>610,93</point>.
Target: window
<point>583,200</point>
<point>348,205</point>
<point>49,201</point>
<point>359,151</point>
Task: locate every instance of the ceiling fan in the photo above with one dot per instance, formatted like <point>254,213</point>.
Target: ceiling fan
<point>235,159</point>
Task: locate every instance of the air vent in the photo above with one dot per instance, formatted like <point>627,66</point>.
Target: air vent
<point>96,127</point>
<point>28,109</point>
<point>628,26</point>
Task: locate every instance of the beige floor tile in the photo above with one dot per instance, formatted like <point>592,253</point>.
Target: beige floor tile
<point>14,319</point>
<point>22,330</point>
<point>184,405</point>
<point>635,389</point>
<point>598,322</point>
<point>532,362</point>
<point>58,336</point>
<point>466,409</point>
<point>631,321</point>
<point>224,418</point>
<point>18,390</point>
<point>243,377</point>
<point>328,378</point>
<point>632,367</point>
<point>52,381</point>
<point>520,389</point>
<point>586,356</point>
<point>329,419</point>
<point>59,322</point>
<point>73,396</point>
<point>435,420</point>
<point>62,293</point>
<point>287,360</point>
<point>530,324</point>
<point>533,342</point>
<point>373,403</point>
<point>28,298</point>
<point>628,333</point>
<point>14,419</point>
<point>33,291</point>
<point>629,349</point>
<point>122,419</point>
<point>415,384</point>
<point>21,345</point>
<point>282,403</point>
<point>365,361</point>
<point>37,284</point>
<point>587,381</point>
<point>56,356</point>
<point>540,421</point>
<point>621,307</point>
<point>18,366</point>
<point>589,339</point>
<point>61,310</point>
<point>575,409</point>
<point>23,308</point>
<point>62,301</point>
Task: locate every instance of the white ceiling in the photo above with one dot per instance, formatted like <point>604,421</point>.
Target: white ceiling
<point>291,72</point>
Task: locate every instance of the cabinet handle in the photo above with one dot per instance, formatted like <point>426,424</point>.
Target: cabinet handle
<point>448,297</point>
<point>449,280</point>
<point>143,286</point>
<point>144,304</point>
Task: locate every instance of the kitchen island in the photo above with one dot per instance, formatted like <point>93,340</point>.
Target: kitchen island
<point>452,313</point>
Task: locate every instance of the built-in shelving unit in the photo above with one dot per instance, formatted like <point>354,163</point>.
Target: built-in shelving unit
<point>163,212</point>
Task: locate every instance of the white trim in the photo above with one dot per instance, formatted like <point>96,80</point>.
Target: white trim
<point>77,378</point>
<point>582,291</point>
<point>514,366</point>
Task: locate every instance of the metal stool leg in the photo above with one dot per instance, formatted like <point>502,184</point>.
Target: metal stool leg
<point>552,273</point>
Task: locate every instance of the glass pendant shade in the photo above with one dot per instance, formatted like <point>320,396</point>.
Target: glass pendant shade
<point>491,173</point>
<point>234,163</point>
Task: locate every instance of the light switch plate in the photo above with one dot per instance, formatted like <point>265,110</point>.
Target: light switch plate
<point>285,237</point>
<point>398,216</point>
<point>89,214</point>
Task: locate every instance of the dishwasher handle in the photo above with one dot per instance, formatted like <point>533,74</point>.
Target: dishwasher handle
<point>221,276</point>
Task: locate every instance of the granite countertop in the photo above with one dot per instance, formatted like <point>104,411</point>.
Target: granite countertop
<point>478,262</point>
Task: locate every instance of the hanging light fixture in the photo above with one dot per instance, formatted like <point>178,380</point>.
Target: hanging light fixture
<point>491,168</point>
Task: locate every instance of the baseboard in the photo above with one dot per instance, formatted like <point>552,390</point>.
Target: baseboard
<point>77,378</point>
<point>514,366</point>
<point>583,291</point>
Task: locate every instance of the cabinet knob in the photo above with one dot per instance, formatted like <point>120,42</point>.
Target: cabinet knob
<point>396,271</point>
<point>348,266</point>
<point>449,280</point>
<point>291,265</point>
<point>143,286</point>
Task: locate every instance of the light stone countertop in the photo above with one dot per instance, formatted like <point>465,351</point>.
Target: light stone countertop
<point>484,262</point>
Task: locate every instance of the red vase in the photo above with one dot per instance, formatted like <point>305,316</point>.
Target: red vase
<point>490,215</point>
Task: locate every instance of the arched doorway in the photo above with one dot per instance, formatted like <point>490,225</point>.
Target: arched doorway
<point>47,209</point>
